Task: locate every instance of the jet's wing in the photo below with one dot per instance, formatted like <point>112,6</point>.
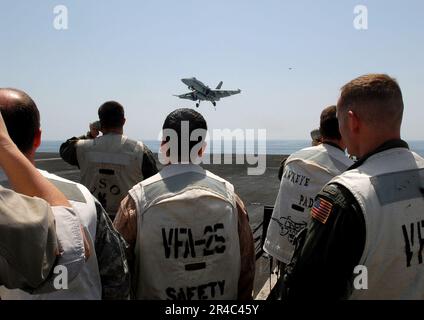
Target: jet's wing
<point>189,96</point>
<point>225,93</point>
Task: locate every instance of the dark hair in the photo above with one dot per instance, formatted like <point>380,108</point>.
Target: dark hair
<point>111,115</point>
<point>195,121</point>
<point>22,119</point>
<point>316,135</point>
<point>329,125</point>
<point>377,98</point>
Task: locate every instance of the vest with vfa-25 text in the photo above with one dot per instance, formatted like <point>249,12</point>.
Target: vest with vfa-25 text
<point>110,166</point>
<point>187,236</point>
<point>305,173</point>
<point>389,187</point>
<point>87,284</point>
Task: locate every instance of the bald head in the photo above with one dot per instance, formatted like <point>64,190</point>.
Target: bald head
<point>21,116</point>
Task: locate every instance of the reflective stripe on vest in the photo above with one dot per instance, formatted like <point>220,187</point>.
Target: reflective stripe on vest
<point>187,241</point>
<point>327,157</point>
<point>176,184</point>
<point>388,187</point>
<point>70,190</point>
<point>305,173</point>
<point>399,186</point>
<point>106,157</point>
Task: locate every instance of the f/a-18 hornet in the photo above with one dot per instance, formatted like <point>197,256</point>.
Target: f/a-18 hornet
<point>200,91</point>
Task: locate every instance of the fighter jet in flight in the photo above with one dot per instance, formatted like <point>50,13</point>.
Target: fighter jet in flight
<point>200,91</point>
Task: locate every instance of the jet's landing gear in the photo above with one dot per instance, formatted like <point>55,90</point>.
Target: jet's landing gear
<point>198,104</point>
<point>214,104</point>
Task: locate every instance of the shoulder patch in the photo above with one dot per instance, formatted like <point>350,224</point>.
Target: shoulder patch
<point>321,210</point>
<point>334,193</point>
<point>330,189</point>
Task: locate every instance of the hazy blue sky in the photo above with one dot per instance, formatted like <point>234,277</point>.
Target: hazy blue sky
<point>136,52</point>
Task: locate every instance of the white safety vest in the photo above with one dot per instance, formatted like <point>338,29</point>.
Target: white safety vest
<point>389,187</point>
<point>187,236</point>
<point>87,285</point>
<point>305,173</point>
<point>110,165</point>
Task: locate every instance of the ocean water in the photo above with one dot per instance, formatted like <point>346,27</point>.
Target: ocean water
<point>276,147</point>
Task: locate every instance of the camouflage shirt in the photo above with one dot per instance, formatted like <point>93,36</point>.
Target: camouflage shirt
<point>110,249</point>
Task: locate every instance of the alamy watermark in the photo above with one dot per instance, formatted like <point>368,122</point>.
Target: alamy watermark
<point>360,281</point>
<point>60,20</point>
<point>185,147</point>
<point>360,22</point>
<point>60,281</point>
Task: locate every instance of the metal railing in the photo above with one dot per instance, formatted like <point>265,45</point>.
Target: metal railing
<point>259,233</point>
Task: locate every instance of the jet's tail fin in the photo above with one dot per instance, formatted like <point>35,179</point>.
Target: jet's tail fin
<point>219,86</point>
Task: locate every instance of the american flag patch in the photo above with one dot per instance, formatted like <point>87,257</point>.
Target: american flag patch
<point>321,210</point>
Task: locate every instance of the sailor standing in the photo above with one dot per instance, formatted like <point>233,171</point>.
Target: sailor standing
<point>305,173</point>
<point>29,241</point>
<point>104,274</point>
<point>112,163</point>
<point>366,236</point>
<point>188,231</point>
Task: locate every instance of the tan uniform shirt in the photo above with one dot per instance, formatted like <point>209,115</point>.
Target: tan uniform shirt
<point>28,243</point>
<point>126,224</point>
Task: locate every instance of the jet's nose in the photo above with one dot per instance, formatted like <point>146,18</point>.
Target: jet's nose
<point>188,80</point>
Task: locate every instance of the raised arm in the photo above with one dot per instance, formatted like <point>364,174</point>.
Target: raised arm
<point>23,176</point>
